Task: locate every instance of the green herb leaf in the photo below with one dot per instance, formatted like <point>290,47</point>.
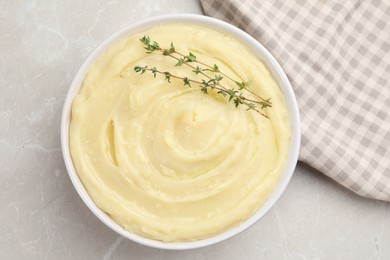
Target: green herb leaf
<point>149,47</point>
<point>237,101</point>
<point>171,50</point>
<point>154,71</point>
<point>186,82</point>
<point>251,106</point>
<point>215,68</point>
<point>190,57</point>
<point>197,70</point>
<point>180,62</point>
<point>140,69</point>
<point>218,77</point>
<point>167,76</point>
<point>209,82</point>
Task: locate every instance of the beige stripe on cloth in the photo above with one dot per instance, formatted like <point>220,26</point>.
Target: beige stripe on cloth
<point>337,57</point>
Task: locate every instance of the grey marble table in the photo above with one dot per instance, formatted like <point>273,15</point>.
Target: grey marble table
<point>43,43</point>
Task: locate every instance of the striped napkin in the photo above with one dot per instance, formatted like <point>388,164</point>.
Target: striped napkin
<point>337,57</point>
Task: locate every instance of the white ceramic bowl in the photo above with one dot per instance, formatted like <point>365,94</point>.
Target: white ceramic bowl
<point>258,50</point>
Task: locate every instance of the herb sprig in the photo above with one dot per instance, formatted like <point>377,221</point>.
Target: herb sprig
<point>213,83</point>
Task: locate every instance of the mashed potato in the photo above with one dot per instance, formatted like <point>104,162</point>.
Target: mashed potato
<point>169,162</point>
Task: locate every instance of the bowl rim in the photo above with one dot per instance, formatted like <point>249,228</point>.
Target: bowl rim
<point>260,51</point>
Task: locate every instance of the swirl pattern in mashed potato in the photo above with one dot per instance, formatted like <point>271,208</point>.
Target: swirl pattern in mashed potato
<point>166,161</point>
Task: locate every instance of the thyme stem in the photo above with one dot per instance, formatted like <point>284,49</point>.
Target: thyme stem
<point>234,94</point>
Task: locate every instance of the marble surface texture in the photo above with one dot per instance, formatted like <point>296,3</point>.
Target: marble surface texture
<point>43,43</point>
